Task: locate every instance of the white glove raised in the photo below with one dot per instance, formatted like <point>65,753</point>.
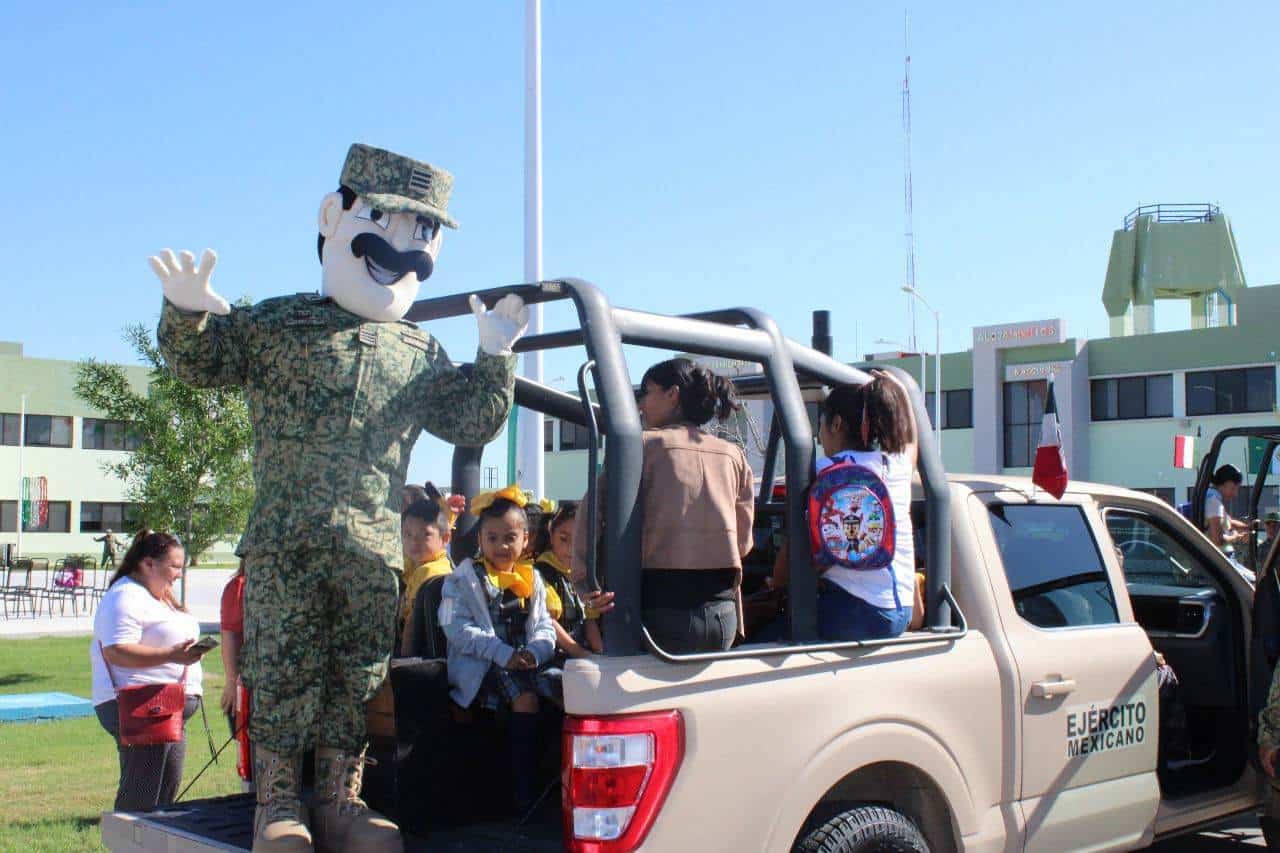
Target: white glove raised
<point>501,327</point>
<point>186,286</point>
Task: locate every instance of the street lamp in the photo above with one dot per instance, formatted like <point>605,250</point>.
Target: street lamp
<point>937,363</point>
<point>924,382</point>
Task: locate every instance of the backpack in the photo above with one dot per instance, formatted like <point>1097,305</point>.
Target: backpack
<point>851,521</point>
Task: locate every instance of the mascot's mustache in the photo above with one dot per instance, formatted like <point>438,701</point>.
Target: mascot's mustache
<point>374,248</point>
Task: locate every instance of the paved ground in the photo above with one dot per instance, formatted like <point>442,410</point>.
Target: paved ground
<point>204,592</point>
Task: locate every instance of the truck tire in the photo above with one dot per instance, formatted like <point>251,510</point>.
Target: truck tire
<point>865,829</point>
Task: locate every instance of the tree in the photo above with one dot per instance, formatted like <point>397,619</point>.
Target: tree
<point>192,472</point>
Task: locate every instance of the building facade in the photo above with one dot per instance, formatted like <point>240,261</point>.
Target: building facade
<point>1122,399</point>
<point>69,445</point>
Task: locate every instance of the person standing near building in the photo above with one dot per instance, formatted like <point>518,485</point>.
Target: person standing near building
<point>1221,528</point>
<point>142,635</point>
<point>109,543</point>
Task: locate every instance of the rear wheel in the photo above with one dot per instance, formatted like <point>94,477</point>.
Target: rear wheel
<point>865,829</point>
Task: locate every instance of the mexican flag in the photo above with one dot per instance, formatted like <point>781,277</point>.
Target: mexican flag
<point>1184,451</point>
<point>1050,471</point>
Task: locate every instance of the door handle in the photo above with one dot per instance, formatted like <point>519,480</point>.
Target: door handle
<point>1050,689</point>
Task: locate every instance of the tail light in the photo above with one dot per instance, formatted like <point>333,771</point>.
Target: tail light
<point>617,772</point>
<point>779,492</point>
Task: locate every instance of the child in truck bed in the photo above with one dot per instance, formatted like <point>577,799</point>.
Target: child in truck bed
<point>426,526</point>
<point>577,629</point>
<point>501,637</point>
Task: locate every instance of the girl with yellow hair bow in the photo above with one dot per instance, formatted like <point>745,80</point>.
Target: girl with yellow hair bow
<point>500,634</point>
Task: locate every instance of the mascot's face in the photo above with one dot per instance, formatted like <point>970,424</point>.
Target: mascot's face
<point>373,261</point>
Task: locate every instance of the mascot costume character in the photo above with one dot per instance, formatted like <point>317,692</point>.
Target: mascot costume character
<point>339,386</point>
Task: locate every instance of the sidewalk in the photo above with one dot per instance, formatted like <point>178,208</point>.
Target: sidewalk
<point>204,596</point>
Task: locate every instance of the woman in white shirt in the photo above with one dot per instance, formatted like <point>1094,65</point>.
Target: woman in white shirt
<point>146,637</point>
<point>872,426</point>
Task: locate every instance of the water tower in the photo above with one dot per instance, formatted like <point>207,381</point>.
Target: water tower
<point>1172,251</point>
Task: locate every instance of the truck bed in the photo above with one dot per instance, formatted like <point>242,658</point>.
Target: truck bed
<point>226,823</point>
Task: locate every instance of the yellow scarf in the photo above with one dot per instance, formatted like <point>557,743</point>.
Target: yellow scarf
<point>415,577</point>
<point>550,558</point>
<point>518,579</point>
<point>554,605</point>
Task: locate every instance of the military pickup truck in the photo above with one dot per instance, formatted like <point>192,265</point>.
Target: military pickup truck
<point>1025,714</point>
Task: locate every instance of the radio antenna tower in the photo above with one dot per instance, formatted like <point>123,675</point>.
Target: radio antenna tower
<point>906,183</point>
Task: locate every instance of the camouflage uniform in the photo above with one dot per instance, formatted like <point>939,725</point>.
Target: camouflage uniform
<point>1269,718</point>
<point>337,403</point>
<point>1269,738</point>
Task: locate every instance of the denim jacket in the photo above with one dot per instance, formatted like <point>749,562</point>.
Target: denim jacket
<point>473,646</point>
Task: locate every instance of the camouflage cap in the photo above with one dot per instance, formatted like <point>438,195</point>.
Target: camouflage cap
<point>397,184</point>
<point>1273,515</point>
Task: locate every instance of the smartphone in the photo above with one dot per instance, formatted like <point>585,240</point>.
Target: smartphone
<point>205,644</point>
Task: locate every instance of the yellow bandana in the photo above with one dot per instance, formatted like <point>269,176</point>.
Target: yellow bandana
<point>415,577</point>
<point>550,558</point>
<point>518,579</point>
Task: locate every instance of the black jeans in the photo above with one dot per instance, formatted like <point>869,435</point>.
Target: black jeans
<point>688,610</point>
<point>708,627</point>
<point>149,775</point>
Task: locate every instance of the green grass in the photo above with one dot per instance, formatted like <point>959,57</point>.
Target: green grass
<point>56,778</point>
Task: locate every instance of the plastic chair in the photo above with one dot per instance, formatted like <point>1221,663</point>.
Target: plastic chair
<point>17,592</point>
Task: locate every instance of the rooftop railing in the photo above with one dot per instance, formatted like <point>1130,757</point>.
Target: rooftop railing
<point>1173,213</point>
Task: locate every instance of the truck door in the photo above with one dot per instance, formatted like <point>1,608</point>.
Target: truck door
<point>1088,722</point>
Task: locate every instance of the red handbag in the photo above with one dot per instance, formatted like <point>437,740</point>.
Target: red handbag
<point>149,714</point>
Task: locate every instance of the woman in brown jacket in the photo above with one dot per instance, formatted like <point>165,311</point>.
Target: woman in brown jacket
<point>697,495</point>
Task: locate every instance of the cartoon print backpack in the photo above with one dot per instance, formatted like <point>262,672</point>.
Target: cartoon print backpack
<point>851,522</point>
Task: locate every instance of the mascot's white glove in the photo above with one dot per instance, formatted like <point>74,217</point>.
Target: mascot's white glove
<point>503,326</point>
<point>186,286</point>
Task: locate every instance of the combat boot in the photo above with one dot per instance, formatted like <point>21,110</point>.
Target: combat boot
<point>279,823</point>
<point>341,819</point>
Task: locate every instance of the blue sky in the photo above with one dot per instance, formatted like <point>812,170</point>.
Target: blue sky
<point>696,154</point>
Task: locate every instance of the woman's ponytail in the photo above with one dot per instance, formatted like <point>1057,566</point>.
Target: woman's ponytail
<point>874,415</point>
<point>704,395</point>
<point>888,415</point>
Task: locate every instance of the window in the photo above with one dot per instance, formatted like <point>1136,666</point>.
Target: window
<point>96,517</point>
<point>957,408</point>
<point>42,430</point>
<point>1023,414</point>
<point>1164,493</point>
<point>59,520</point>
<point>97,434</point>
<point>573,437</point>
<point>1130,397</point>
<point>1226,392</point>
<point>1055,572</point>
<point>548,435</point>
<point>1151,556</point>
<point>9,429</point>
<point>48,431</point>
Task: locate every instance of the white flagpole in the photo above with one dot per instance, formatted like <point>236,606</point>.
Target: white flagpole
<point>22,439</point>
<point>529,455</point>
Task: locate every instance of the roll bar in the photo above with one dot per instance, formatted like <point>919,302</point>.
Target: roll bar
<point>741,333</point>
